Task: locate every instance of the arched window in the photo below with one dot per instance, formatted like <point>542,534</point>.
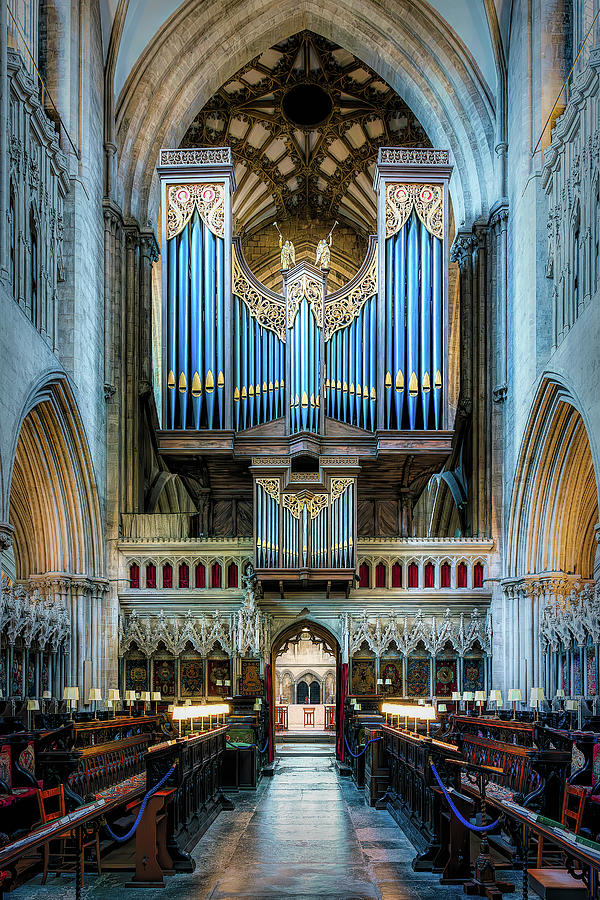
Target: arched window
<point>134,575</point>
<point>363,576</point>
<point>413,575</point>
<point>216,574</point>
<point>232,575</point>
<point>33,270</point>
<point>380,575</point>
<point>167,575</point>
<point>200,576</point>
<point>151,576</point>
<point>478,575</point>
<point>396,575</point>
<point>575,263</point>
<point>184,575</point>
<point>429,575</point>
<point>12,236</point>
<point>461,574</point>
<point>445,574</point>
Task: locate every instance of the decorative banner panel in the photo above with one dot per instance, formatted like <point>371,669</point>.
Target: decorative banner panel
<point>251,683</point>
<point>592,686</point>
<point>577,676</point>
<point>192,678</point>
<point>17,674</point>
<point>445,677</point>
<point>473,679</point>
<point>164,677</point>
<point>391,669</point>
<point>218,670</point>
<point>363,676</point>
<point>417,677</point>
<point>136,675</point>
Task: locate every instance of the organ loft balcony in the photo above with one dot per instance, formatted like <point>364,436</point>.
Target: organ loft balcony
<point>296,404</point>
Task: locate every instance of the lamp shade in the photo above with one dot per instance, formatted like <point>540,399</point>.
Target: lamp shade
<point>468,695</point>
<point>32,705</point>
<point>47,695</point>
<point>455,696</point>
<point>560,694</point>
<point>441,707</point>
<point>571,705</point>
<point>496,697</point>
<point>114,694</point>
<point>380,681</point>
<point>536,695</point>
<point>514,695</point>
<point>95,694</point>
<point>388,682</point>
<point>156,695</point>
<point>130,696</point>
<point>69,693</point>
<point>145,696</point>
<point>480,696</point>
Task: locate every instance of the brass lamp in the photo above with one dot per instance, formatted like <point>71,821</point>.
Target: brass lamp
<point>156,698</point>
<point>480,698</point>
<point>113,698</point>
<point>32,706</point>
<point>456,699</point>
<point>129,698</point>
<point>514,697</point>
<point>536,696</point>
<point>496,699</point>
<point>468,697</point>
<point>145,696</point>
<point>93,697</point>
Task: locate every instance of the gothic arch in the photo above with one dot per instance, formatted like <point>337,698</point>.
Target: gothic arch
<point>53,501</point>
<point>554,506</point>
<point>413,49</point>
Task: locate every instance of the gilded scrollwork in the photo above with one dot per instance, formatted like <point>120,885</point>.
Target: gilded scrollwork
<point>270,486</point>
<point>314,503</point>
<point>342,310</point>
<point>207,198</point>
<point>339,486</point>
<point>426,199</point>
<point>268,312</point>
<point>305,287</point>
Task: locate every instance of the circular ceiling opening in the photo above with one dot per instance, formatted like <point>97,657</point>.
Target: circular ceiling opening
<point>307,105</point>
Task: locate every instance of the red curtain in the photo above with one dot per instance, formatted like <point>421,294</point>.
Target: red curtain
<point>413,575</point>
<point>396,575</point>
<point>232,576</point>
<point>462,575</point>
<point>380,575</point>
<point>167,575</point>
<point>269,705</point>
<point>216,573</point>
<point>200,576</point>
<point>184,576</point>
<point>445,575</point>
<point>341,707</point>
<point>363,575</point>
<point>477,575</point>
<point>429,575</point>
<point>134,575</point>
<point>150,575</point>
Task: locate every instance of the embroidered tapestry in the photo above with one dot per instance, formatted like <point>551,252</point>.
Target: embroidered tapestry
<point>31,678</point>
<point>417,677</point>
<point>17,674</point>
<point>392,669</point>
<point>251,684</point>
<point>136,675</point>
<point>577,676</point>
<point>5,770</point>
<point>473,675</point>
<point>192,678</point>
<point>218,670</point>
<point>591,673</point>
<point>445,677</point>
<point>363,676</point>
<point>164,677</point>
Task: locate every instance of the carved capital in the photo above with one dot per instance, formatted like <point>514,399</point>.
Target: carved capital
<point>6,536</point>
<point>462,248</point>
<point>499,393</point>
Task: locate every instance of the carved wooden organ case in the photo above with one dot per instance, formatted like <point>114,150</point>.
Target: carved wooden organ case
<point>356,374</point>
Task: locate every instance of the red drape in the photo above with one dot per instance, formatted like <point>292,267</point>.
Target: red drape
<point>269,705</point>
<point>341,707</point>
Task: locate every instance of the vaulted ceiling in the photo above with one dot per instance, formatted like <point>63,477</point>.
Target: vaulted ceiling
<point>305,120</point>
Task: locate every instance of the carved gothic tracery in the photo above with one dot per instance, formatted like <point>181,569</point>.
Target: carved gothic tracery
<point>268,311</point>
<point>305,287</point>
<point>344,307</point>
<point>396,631</point>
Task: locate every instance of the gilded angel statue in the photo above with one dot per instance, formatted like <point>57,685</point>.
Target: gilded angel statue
<point>288,251</point>
<point>323,257</point>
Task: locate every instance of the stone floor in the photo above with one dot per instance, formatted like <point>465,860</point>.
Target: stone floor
<point>306,833</point>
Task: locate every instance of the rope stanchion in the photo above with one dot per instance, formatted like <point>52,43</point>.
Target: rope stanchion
<point>133,829</point>
<point>356,755</point>
<point>459,816</point>
<point>248,746</point>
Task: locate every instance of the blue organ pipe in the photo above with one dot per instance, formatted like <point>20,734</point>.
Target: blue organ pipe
<point>339,376</point>
<point>196,318</point>
<point>365,370</point>
<point>436,314</point>
<point>269,339</point>
<point>399,373</point>
<point>281,346</point>
<point>258,373</point>
<point>244,372</point>
<point>183,375</point>
<point>351,372</point>
<point>310,387</point>
<point>303,348</point>
<point>372,351</point>
<point>171,331</point>
<point>351,528</point>
<point>220,355</point>
<point>358,349</point>
<point>389,369</point>
<point>425,348</point>
<point>251,381</point>
<point>237,378</point>
<point>210,375</point>
<point>345,385</point>
<point>412,320</point>
<point>275,370</point>
<point>333,375</point>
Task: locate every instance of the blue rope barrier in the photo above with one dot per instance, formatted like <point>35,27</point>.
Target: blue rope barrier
<point>133,829</point>
<point>458,815</point>
<point>356,755</point>
<point>248,746</point>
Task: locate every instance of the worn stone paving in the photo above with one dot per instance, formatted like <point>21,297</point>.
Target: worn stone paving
<point>306,833</point>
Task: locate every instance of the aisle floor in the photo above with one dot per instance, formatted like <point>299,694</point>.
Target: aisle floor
<point>306,833</point>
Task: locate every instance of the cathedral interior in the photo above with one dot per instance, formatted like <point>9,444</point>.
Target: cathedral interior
<point>300,448</point>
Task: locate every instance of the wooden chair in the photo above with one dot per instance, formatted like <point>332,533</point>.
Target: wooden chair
<point>56,796</point>
<point>309,715</point>
<point>573,807</point>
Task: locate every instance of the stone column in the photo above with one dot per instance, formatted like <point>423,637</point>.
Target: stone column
<point>4,157</point>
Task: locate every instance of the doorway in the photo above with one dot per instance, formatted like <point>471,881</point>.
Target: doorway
<point>304,660</point>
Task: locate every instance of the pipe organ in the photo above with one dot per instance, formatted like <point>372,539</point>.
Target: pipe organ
<point>289,373</point>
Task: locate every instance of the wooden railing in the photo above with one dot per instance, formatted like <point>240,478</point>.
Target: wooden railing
<point>281,718</point>
<point>330,718</point>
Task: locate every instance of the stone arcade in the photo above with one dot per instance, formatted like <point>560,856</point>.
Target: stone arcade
<point>299,447</point>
